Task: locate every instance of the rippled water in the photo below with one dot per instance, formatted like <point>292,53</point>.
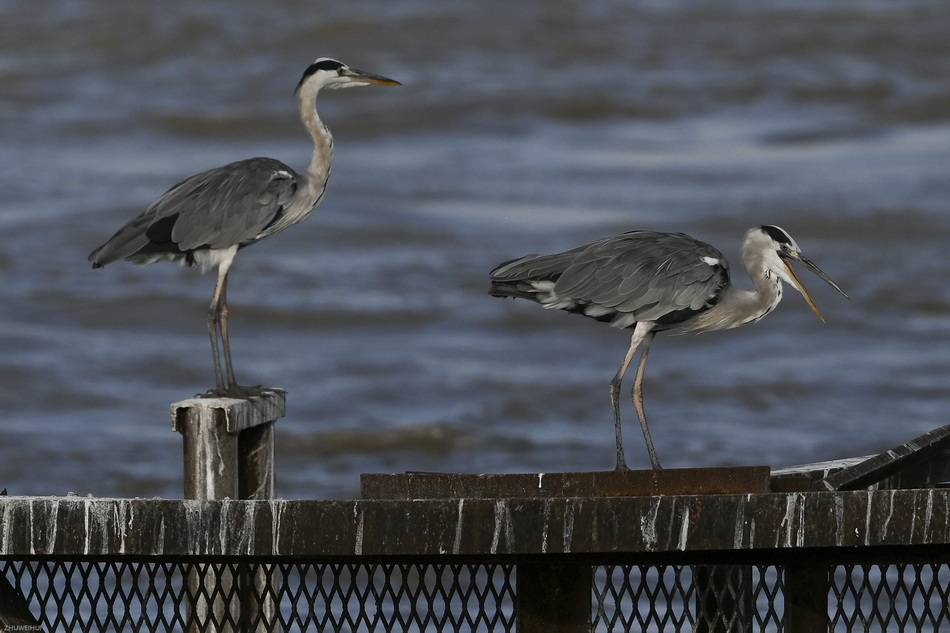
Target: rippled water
<point>522,127</point>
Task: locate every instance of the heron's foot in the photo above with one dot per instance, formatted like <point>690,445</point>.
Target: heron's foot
<point>234,391</point>
<point>621,468</point>
<point>242,391</point>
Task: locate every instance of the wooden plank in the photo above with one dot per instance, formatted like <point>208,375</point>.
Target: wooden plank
<point>928,474</point>
<point>32,527</point>
<point>915,452</point>
<point>631,483</point>
<point>804,477</point>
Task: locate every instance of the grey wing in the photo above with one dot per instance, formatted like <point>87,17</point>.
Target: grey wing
<point>637,276</point>
<point>218,208</point>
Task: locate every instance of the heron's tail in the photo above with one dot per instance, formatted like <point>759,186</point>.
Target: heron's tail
<point>522,277</point>
<point>127,241</point>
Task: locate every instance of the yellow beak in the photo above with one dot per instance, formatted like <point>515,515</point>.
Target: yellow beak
<point>371,78</point>
<point>797,282</point>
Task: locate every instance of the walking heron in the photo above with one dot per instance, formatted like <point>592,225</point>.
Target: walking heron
<point>654,282</point>
<point>204,220</point>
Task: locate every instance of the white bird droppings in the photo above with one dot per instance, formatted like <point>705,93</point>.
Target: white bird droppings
<point>457,543</point>
<point>684,531</point>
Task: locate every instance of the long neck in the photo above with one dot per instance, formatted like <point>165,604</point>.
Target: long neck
<point>318,171</point>
<point>737,307</point>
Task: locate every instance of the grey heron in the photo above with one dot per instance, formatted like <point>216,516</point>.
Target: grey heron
<point>654,282</point>
<point>204,220</point>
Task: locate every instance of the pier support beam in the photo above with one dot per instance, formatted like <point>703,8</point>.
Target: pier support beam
<point>806,598</point>
<point>229,454</point>
<point>554,597</point>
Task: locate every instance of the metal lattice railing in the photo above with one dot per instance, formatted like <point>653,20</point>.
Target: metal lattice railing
<point>98,596</point>
<point>682,597</point>
<point>179,596</point>
<point>890,598</point>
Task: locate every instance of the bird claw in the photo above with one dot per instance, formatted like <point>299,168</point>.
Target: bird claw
<point>234,391</point>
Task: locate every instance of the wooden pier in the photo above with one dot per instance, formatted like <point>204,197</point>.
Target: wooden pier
<point>532,552</point>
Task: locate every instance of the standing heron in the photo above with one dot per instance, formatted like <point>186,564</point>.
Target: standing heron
<point>658,282</point>
<point>204,220</point>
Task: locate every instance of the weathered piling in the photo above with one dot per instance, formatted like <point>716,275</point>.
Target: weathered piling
<point>229,445</point>
<point>229,454</point>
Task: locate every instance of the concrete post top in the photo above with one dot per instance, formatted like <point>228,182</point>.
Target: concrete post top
<point>236,414</point>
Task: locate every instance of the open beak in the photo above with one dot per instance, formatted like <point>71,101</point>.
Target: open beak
<point>801,287</point>
<point>370,78</point>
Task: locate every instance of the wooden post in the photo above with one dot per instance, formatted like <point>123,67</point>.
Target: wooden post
<point>229,454</point>
<point>256,481</point>
<point>229,445</point>
<point>806,598</point>
<point>553,597</point>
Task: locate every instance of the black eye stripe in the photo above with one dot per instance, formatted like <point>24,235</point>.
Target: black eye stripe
<point>777,234</point>
<point>323,64</point>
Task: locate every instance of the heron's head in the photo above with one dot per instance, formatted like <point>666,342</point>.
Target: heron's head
<point>330,73</point>
<point>779,250</point>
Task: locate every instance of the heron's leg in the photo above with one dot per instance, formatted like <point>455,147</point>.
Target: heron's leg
<point>232,387</point>
<point>640,331</point>
<point>637,394</point>
<point>225,335</point>
<point>615,403</point>
<point>214,314</point>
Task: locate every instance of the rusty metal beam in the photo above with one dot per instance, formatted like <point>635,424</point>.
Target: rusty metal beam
<point>31,526</point>
<point>611,483</point>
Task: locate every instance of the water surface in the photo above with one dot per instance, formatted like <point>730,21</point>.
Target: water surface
<point>521,128</point>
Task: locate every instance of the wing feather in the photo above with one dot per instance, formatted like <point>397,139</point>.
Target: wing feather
<point>218,208</point>
<point>636,276</point>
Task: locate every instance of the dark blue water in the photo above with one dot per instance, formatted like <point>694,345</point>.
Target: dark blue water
<point>521,128</point>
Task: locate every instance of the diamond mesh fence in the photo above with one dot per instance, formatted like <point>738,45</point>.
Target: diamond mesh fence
<point>890,598</point>
<point>242,595</point>
<point>661,598</point>
<point>239,596</point>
